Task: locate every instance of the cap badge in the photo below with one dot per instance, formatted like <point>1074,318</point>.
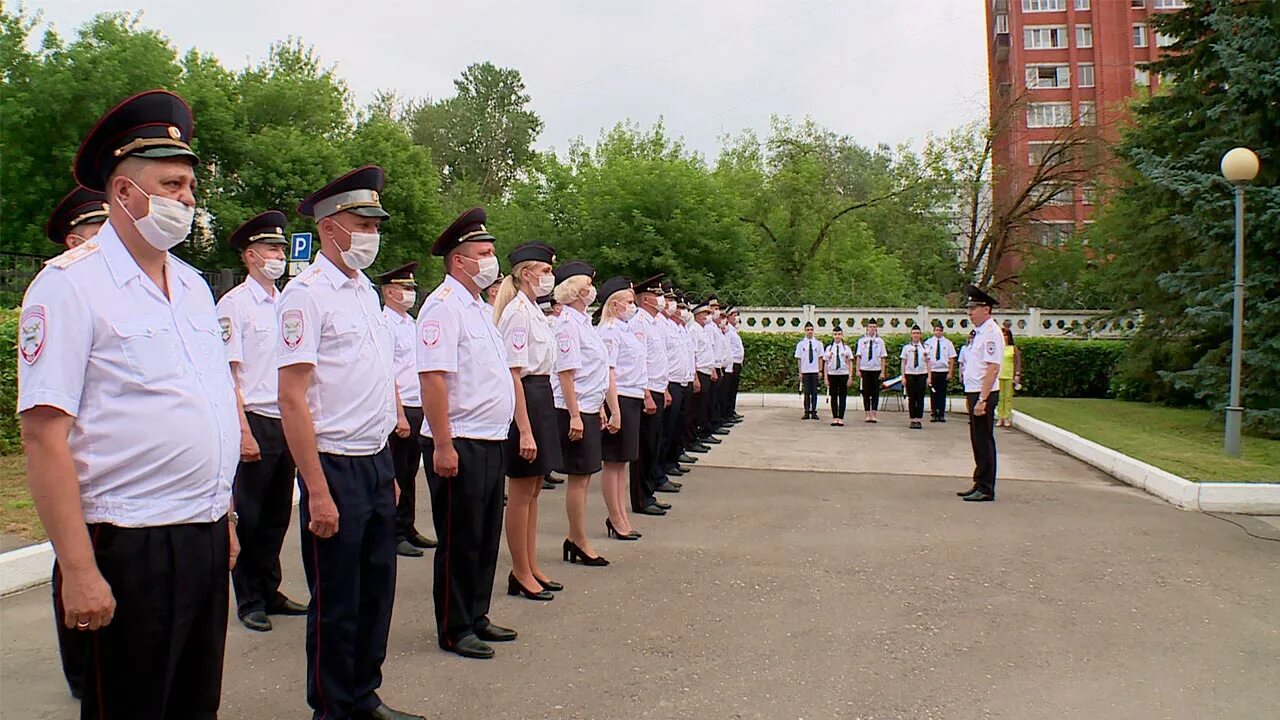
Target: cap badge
<point>175,133</point>
<point>374,193</point>
<point>279,231</point>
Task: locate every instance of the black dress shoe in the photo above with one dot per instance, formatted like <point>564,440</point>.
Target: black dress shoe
<point>651,510</point>
<point>687,459</point>
<point>406,549</point>
<point>661,505</point>
<point>285,606</point>
<point>257,620</point>
<point>699,448</point>
<point>417,539</point>
<point>495,633</point>
<point>942,419</point>
<point>382,712</point>
<point>970,491</point>
<point>548,485</point>
<point>711,440</point>
<point>677,471</point>
<point>978,496</point>
<point>720,431</point>
<point>515,587</point>
<point>470,646</point>
<point>674,484</point>
<point>554,479</point>
<point>667,487</point>
<point>551,585</point>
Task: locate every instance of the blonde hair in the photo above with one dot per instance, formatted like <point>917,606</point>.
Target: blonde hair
<point>507,290</point>
<point>606,311</point>
<point>567,291</point>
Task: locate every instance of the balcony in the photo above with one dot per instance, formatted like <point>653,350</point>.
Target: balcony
<point>1002,47</point>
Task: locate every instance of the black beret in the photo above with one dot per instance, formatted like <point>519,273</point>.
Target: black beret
<point>535,251</point>
<point>977,297</point>
<point>154,124</point>
<point>613,285</point>
<point>469,227</point>
<point>267,227</point>
<point>837,329</point>
<point>808,326</point>
<point>402,275</point>
<point>80,207</point>
<point>651,285</point>
<point>357,192</point>
<point>574,268</point>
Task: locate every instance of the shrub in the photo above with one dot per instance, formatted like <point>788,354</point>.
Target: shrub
<point>9,440</point>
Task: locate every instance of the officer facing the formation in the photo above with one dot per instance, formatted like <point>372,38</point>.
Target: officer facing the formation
<point>981,375</point>
<point>809,355</point>
<point>941,353</point>
<point>646,472</point>
<point>77,218</point>
<point>337,398</point>
<point>399,293</point>
<point>129,421</point>
<point>469,405</point>
<point>264,480</point>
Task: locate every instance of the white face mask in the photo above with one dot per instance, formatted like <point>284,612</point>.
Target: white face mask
<point>364,249</point>
<point>408,298</point>
<point>546,284</point>
<point>167,222</point>
<point>687,317</point>
<point>662,303</point>
<point>628,312</point>
<point>591,294</point>
<point>273,269</point>
<point>488,271</point>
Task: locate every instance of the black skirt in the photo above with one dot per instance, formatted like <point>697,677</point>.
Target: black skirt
<point>581,457</point>
<point>540,404</point>
<point>624,445</point>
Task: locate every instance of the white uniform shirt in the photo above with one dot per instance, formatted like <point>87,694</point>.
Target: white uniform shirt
<point>940,351</point>
<point>156,434</point>
<point>404,332</point>
<point>674,348</point>
<point>871,352</point>
<point>688,369</point>
<point>456,335</point>
<point>987,347</point>
<point>647,331</point>
<point>839,359</point>
<point>333,322</point>
<point>809,352</point>
<point>736,351</point>
<point>721,344</point>
<point>247,316</point>
<point>527,336</point>
<point>915,359</point>
<point>626,355</point>
<point>704,357</point>
<point>579,348</point>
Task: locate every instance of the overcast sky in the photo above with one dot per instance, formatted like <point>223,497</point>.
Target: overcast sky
<point>880,70</point>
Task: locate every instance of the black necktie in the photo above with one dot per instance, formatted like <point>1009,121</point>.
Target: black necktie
<point>810,351</point>
<point>937,348</point>
<point>915,357</point>
<point>838,353</point>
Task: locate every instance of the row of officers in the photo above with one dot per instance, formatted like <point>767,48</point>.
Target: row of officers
<point>164,434</point>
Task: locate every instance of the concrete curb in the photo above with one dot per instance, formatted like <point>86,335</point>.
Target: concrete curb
<point>794,400</point>
<point>1242,498</point>
<point>25,567</point>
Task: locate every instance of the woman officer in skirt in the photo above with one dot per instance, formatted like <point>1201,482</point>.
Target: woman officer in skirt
<point>627,358</point>
<point>533,447</point>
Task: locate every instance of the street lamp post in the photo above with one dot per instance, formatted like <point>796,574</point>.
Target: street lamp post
<point>1239,166</point>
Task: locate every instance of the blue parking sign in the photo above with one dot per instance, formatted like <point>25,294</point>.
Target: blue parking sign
<point>300,247</point>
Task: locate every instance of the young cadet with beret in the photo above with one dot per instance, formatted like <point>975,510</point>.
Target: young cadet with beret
<point>647,469</point>
<point>837,363</point>
<point>942,354</point>
<point>626,353</point>
<point>981,376</point>
<point>264,482</point>
<point>583,385</point>
<point>915,377</point>
<point>399,294</point>
<point>533,443</point>
<point>338,402</point>
<point>871,354</point>
<point>469,401</point>
<point>129,422</point>
<point>809,356</point>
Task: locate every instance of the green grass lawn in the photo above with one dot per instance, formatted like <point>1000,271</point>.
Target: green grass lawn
<point>1184,442</point>
<point>17,512</point>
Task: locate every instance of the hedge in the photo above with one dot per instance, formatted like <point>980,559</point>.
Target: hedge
<point>1051,367</point>
<point>9,439</point>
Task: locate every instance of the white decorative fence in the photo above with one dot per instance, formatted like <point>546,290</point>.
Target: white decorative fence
<point>1032,322</point>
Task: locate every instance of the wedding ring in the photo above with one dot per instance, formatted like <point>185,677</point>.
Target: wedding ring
<point>82,624</point>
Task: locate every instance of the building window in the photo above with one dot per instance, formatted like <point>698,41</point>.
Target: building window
<point>1139,35</point>
<point>1051,234</point>
<point>1048,76</point>
<point>1041,152</point>
<point>1089,193</point>
<point>1084,36</point>
<point>1055,194</point>
<point>1043,5</point>
<point>1142,77</point>
<point>1084,76</point>
<point>1137,4</point>
<point>1082,4</point>
<point>1169,4</point>
<point>1163,40</point>
<point>1053,114</point>
<point>1002,24</point>
<point>1042,37</point>
<point>1088,113</point>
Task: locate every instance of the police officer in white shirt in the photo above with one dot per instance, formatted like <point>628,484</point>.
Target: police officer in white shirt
<point>469,403</point>
<point>737,354</point>
<point>647,470</point>
<point>981,378</point>
<point>704,358</point>
<point>724,364</point>
<point>809,355</point>
<point>399,295</point>
<point>264,481</point>
<point>681,451</point>
<point>129,421</point>
<point>871,354</point>
<point>942,357</point>
<point>837,366</point>
<point>915,377</point>
<point>338,402</point>
<point>673,414</point>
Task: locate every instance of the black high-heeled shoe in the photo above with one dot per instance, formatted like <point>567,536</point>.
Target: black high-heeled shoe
<point>574,554</point>
<point>515,588</point>
<point>613,532</point>
<point>551,585</point>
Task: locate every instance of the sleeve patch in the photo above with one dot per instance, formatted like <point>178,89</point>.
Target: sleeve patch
<point>519,338</point>
<point>991,348</point>
<point>32,331</point>
<point>292,327</point>
<point>563,342</point>
<point>225,324</point>
<point>431,333</point>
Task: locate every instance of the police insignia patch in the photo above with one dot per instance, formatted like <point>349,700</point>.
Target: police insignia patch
<point>292,327</point>
<point>991,348</point>
<point>431,333</point>
<point>225,324</point>
<point>32,329</point>
<point>519,337</point>
<point>563,342</point>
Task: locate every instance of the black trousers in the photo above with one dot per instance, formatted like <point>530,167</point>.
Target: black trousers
<point>73,645</point>
<point>839,388</point>
<point>467,510</point>
<point>702,407</point>
<point>870,389</point>
<point>982,437</point>
<point>716,411</point>
<point>916,385</point>
<point>642,470</point>
<point>352,576</point>
<point>672,443</point>
<point>161,656</point>
<point>735,386</point>
<point>263,492</point>
<point>809,384</point>
<point>406,454</point>
<point>690,425</point>
<point>938,393</point>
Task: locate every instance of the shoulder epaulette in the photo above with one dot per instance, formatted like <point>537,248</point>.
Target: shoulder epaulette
<point>440,294</point>
<point>309,275</point>
<point>74,255</point>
